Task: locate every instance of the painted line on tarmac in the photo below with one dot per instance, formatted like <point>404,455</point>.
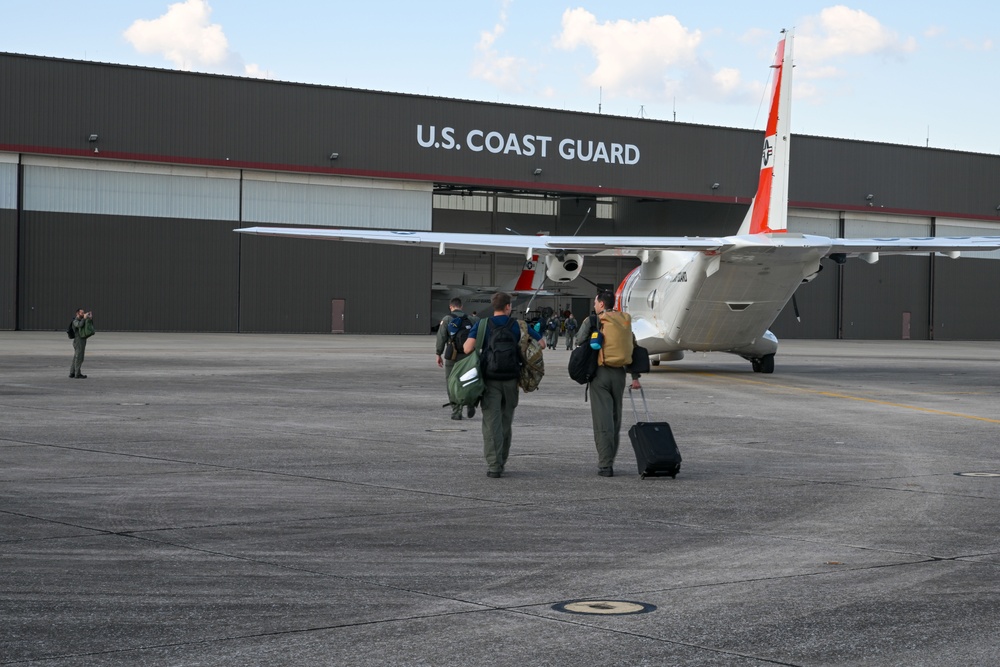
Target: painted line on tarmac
<point>833,394</point>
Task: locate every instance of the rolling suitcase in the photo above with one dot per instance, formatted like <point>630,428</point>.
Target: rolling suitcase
<point>656,452</point>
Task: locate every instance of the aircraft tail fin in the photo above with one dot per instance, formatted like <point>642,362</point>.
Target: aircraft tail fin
<point>769,209</point>
<point>530,278</point>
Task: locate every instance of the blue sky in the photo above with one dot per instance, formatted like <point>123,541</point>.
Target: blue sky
<point>896,72</point>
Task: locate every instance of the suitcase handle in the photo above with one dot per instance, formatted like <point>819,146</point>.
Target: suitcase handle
<point>645,407</point>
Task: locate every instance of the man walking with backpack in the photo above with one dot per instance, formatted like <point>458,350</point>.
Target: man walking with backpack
<point>498,339</point>
<point>451,336</point>
<point>570,324</point>
<point>616,340</point>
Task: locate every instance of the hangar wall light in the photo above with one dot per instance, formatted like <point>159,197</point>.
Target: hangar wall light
<point>869,199</point>
<point>334,156</point>
<point>715,186</point>
<point>92,137</point>
<point>537,172</point>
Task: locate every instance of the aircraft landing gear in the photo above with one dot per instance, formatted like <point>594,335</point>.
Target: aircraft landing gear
<point>763,364</point>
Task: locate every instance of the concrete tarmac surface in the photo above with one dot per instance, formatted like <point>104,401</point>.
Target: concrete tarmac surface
<point>216,499</point>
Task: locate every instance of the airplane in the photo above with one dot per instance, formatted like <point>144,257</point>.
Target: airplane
<point>528,285</point>
<point>692,293</point>
<point>477,297</point>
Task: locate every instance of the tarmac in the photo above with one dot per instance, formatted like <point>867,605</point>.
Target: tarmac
<point>217,499</point>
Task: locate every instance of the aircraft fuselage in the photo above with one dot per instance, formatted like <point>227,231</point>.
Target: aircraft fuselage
<point>717,301</point>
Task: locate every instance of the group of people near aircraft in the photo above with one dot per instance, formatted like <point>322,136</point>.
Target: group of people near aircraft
<point>607,330</point>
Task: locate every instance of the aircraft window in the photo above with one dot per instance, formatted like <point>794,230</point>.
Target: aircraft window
<point>681,277</point>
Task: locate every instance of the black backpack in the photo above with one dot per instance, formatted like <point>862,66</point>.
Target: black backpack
<point>583,363</point>
<point>69,330</point>
<point>502,356</point>
<point>458,331</point>
<point>583,359</point>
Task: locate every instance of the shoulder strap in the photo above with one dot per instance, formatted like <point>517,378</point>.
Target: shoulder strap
<point>483,334</point>
<point>524,333</point>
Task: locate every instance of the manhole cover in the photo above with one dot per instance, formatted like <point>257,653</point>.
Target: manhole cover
<point>978,474</point>
<point>606,607</point>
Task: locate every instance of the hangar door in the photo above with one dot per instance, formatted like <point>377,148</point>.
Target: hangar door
<point>288,285</point>
<point>890,299</point>
<point>966,289</point>
<point>151,248</point>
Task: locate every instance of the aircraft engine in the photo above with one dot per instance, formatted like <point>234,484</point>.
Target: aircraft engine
<point>563,269</point>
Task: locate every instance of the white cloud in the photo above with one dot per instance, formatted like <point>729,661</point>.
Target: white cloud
<point>504,72</point>
<point>633,57</point>
<point>727,79</point>
<point>838,32</point>
<point>185,37</point>
<point>652,60</point>
<point>981,45</point>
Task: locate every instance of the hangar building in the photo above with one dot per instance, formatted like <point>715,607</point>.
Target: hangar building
<point>120,187</point>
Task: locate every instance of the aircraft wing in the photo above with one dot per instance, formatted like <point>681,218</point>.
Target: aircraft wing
<point>948,245</point>
<point>631,246</point>
<point>515,244</point>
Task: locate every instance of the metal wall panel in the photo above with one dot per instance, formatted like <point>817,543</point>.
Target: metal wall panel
<point>821,223</point>
<point>287,285</point>
<point>966,294</point>
<point>135,274</point>
<point>8,181</point>
<point>643,217</point>
<point>888,300</point>
<point>876,297</point>
<point>130,189</point>
<point>8,269</point>
<point>881,225</point>
<point>951,227</point>
<point>336,201</point>
<point>52,106</point>
<point>839,174</point>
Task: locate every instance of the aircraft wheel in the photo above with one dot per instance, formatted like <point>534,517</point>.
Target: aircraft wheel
<point>655,362</point>
<point>756,365</point>
<point>767,363</point>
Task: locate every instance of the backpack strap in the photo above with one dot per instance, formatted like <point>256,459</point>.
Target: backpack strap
<point>484,335</point>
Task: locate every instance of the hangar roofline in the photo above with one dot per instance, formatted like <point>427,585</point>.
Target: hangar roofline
<point>372,91</point>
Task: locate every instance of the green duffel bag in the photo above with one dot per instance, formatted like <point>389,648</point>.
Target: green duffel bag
<point>87,330</point>
<point>465,383</point>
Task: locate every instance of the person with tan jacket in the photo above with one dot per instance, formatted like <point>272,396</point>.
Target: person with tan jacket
<point>608,386</point>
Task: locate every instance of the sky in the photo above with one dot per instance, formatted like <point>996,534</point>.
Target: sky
<point>923,74</point>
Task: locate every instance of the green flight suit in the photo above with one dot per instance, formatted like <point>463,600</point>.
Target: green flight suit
<point>498,404</point>
<point>606,392</point>
<point>441,344</point>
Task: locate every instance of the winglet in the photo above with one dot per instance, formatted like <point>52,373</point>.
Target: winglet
<point>769,210</point>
